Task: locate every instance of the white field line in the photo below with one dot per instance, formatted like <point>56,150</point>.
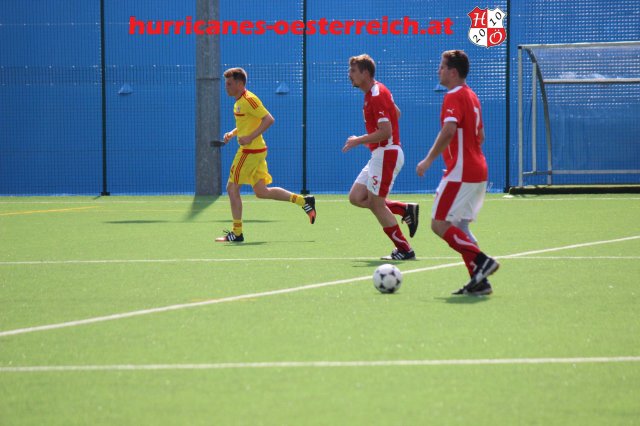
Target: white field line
<point>319,364</point>
<point>594,243</point>
<point>204,260</point>
<point>273,292</point>
<point>577,257</point>
<point>287,259</point>
<point>203,303</point>
<point>426,197</point>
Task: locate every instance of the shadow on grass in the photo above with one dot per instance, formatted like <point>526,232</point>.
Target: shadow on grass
<point>135,222</point>
<point>199,204</point>
<point>242,244</point>
<point>229,220</point>
<point>464,300</point>
<point>258,243</point>
<point>400,264</point>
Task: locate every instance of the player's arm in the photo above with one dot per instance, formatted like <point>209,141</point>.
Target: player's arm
<point>382,133</point>
<point>442,141</point>
<point>229,135</point>
<point>398,112</point>
<point>481,136</point>
<point>265,123</point>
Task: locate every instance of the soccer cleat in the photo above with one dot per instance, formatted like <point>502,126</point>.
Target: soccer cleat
<point>484,266</point>
<point>400,255</point>
<point>310,207</point>
<point>482,289</point>
<point>411,218</point>
<point>230,237</point>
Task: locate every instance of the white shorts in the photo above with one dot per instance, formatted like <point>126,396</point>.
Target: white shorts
<point>380,172</point>
<point>458,200</point>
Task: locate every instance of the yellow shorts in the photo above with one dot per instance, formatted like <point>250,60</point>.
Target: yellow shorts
<point>250,166</point>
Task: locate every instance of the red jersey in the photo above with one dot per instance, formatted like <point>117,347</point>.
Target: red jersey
<point>379,107</point>
<point>463,157</point>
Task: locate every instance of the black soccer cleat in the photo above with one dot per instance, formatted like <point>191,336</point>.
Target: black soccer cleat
<point>230,237</point>
<point>484,266</point>
<point>411,218</point>
<point>310,208</point>
<point>482,289</point>
<point>400,255</point>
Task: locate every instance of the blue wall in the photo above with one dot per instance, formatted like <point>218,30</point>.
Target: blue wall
<point>50,89</point>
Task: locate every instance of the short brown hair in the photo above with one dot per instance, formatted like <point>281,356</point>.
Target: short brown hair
<point>236,74</point>
<point>457,59</point>
<point>364,62</point>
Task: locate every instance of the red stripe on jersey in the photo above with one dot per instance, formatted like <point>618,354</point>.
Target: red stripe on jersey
<point>389,161</point>
<point>238,115</point>
<point>251,101</point>
<point>446,199</point>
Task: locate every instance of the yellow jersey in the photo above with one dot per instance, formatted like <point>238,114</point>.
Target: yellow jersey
<point>249,111</point>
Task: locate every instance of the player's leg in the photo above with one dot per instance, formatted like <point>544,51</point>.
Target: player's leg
<point>279,194</point>
<point>409,212</point>
<point>455,201</point>
<point>261,178</point>
<point>359,194</point>
<point>380,210</point>
<point>384,166</point>
<point>463,224</point>
<point>235,235</point>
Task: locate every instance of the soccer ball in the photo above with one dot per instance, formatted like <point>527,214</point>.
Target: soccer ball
<point>387,278</point>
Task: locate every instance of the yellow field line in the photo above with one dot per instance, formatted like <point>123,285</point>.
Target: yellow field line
<point>47,211</point>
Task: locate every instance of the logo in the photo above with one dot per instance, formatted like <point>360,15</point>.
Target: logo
<point>486,28</point>
<point>450,110</point>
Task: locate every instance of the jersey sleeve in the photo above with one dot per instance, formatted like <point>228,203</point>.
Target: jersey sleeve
<point>451,110</point>
<point>256,109</point>
<point>380,107</point>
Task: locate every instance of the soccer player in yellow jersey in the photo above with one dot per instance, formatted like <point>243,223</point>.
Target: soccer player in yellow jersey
<point>249,165</point>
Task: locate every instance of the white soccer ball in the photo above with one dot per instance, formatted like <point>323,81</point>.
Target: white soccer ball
<point>387,278</point>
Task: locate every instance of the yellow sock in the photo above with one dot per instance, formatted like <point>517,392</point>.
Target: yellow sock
<point>297,199</point>
<point>237,227</point>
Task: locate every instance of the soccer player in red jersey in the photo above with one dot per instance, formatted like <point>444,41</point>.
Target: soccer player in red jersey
<point>375,181</point>
<point>460,194</point>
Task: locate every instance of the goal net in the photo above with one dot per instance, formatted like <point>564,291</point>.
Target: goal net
<point>579,114</point>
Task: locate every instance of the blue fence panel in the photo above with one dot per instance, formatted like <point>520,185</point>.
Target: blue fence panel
<point>407,65</point>
<point>50,89</point>
<point>50,97</point>
<point>272,61</point>
<point>150,100</point>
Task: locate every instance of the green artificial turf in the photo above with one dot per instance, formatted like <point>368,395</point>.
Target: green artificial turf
<point>253,354</point>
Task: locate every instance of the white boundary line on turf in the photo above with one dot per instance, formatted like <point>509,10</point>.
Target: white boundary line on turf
<point>425,196</point>
<point>318,364</point>
<point>283,259</point>
<point>275,292</point>
<point>254,259</point>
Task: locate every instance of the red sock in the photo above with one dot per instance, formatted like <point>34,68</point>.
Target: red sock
<point>395,235</point>
<point>396,207</point>
<point>460,242</point>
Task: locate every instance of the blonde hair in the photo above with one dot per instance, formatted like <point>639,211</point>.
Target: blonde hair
<point>237,74</point>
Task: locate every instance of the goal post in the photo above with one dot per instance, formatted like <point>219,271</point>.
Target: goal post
<point>585,99</point>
